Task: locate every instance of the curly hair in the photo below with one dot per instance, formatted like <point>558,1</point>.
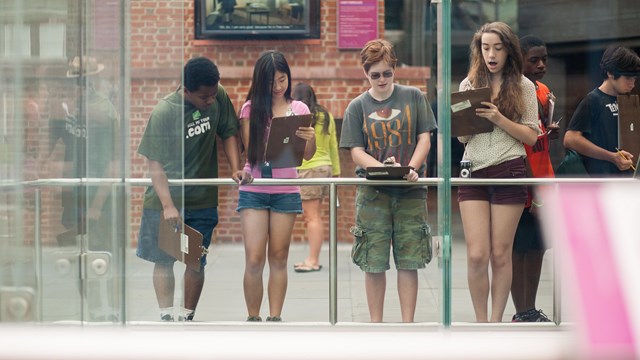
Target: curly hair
<point>510,101</point>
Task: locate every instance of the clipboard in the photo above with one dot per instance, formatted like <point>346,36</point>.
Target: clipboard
<point>185,247</point>
<point>284,148</point>
<point>629,124</point>
<point>464,120</point>
<point>387,172</point>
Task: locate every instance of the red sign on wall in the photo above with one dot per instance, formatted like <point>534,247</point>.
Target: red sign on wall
<point>357,23</point>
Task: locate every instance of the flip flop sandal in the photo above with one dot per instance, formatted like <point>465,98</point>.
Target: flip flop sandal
<point>306,269</point>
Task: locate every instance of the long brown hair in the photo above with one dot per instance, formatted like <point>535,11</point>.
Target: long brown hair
<point>510,101</point>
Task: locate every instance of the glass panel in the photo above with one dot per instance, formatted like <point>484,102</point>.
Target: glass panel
<point>156,69</point>
<point>83,230</point>
<point>63,253</point>
<point>21,93</point>
<point>70,137</point>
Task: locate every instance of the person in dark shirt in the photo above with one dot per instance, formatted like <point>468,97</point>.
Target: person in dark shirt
<point>593,130</point>
<point>180,142</point>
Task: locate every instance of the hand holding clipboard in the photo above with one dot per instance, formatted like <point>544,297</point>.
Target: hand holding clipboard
<point>287,142</point>
<point>464,120</point>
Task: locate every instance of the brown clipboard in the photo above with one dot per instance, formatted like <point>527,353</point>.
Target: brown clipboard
<point>629,124</point>
<point>185,247</point>
<point>464,120</point>
<point>284,148</point>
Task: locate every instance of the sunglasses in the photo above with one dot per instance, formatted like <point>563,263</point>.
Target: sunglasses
<point>376,75</point>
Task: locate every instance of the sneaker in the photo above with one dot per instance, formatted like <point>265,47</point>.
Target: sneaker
<point>189,317</point>
<point>537,316</point>
<point>521,317</point>
<point>252,318</point>
<point>274,318</point>
<point>166,317</point>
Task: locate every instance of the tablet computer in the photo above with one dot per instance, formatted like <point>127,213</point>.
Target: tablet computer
<point>284,148</point>
<point>464,120</point>
<point>387,172</point>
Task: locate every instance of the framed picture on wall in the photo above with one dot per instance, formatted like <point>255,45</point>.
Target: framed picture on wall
<point>257,19</point>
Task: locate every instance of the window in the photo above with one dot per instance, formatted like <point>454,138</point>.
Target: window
<point>257,19</point>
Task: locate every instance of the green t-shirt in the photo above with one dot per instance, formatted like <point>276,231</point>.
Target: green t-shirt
<point>182,139</point>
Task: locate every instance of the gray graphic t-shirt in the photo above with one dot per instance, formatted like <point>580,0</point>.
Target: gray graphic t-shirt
<point>389,127</point>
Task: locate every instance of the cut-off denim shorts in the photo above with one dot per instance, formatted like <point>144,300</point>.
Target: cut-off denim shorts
<point>203,220</point>
<point>282,203</point>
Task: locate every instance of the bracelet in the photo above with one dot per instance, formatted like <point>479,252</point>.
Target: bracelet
<point>536,204</point>
<point>412,168</point>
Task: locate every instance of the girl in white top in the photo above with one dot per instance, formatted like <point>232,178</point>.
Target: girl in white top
<point>490,214</point>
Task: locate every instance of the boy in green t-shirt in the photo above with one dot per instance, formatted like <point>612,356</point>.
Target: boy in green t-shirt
<point>179,142</point>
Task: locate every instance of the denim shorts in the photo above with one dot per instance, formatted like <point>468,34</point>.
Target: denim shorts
<point>499,194</point>
<point>282,203</point>
<point>384,221</point>
<point>203,220</point>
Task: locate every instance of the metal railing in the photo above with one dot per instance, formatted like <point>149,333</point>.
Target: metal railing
<point>332,183</point>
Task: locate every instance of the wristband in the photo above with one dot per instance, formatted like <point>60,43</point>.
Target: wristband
<point>536,204</point>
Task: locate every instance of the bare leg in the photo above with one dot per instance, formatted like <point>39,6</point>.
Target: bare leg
<point>164,283</point>
<point>504,221</point>
<point>476,224</point>
<point>408,293</point>
<point>315,231</point>
<point>280,228</point>
<point>255,227</point>
<point>375,285</point>
<point>532,270</point>
<point>193,283</point>
<point>518,283</point>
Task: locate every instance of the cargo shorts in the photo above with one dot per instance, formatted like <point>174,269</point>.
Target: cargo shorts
<point>385,222</point>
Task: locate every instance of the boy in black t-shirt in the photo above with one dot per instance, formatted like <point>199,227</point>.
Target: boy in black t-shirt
<point>593,130</point>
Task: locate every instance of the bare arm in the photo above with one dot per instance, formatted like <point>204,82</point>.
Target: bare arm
<point>422,150</point>
<point>521,132</point>
<point>574,140</point>
<point>161,186</point>
<point>309,134</point>
<point>233,156</point>
<point>362,159</point>
<point>244,134</point>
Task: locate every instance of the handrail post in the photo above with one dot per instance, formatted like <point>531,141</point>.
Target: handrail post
<point>38,251</point>
<point>333,255</point>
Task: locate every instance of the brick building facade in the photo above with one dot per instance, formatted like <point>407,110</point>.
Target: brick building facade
<point>162,37</point>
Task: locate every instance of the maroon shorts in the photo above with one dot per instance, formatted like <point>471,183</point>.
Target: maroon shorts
<point>498,194</point>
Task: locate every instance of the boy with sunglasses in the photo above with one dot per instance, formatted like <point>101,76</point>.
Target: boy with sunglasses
<point>389,124</point>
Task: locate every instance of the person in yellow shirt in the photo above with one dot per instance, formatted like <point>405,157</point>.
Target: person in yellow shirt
<point>325,163</point>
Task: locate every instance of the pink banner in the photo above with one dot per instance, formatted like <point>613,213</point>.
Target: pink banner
<point>583,221</point>
<point>357,23</point>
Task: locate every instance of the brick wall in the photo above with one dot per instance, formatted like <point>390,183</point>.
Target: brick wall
<point>162,37</point>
